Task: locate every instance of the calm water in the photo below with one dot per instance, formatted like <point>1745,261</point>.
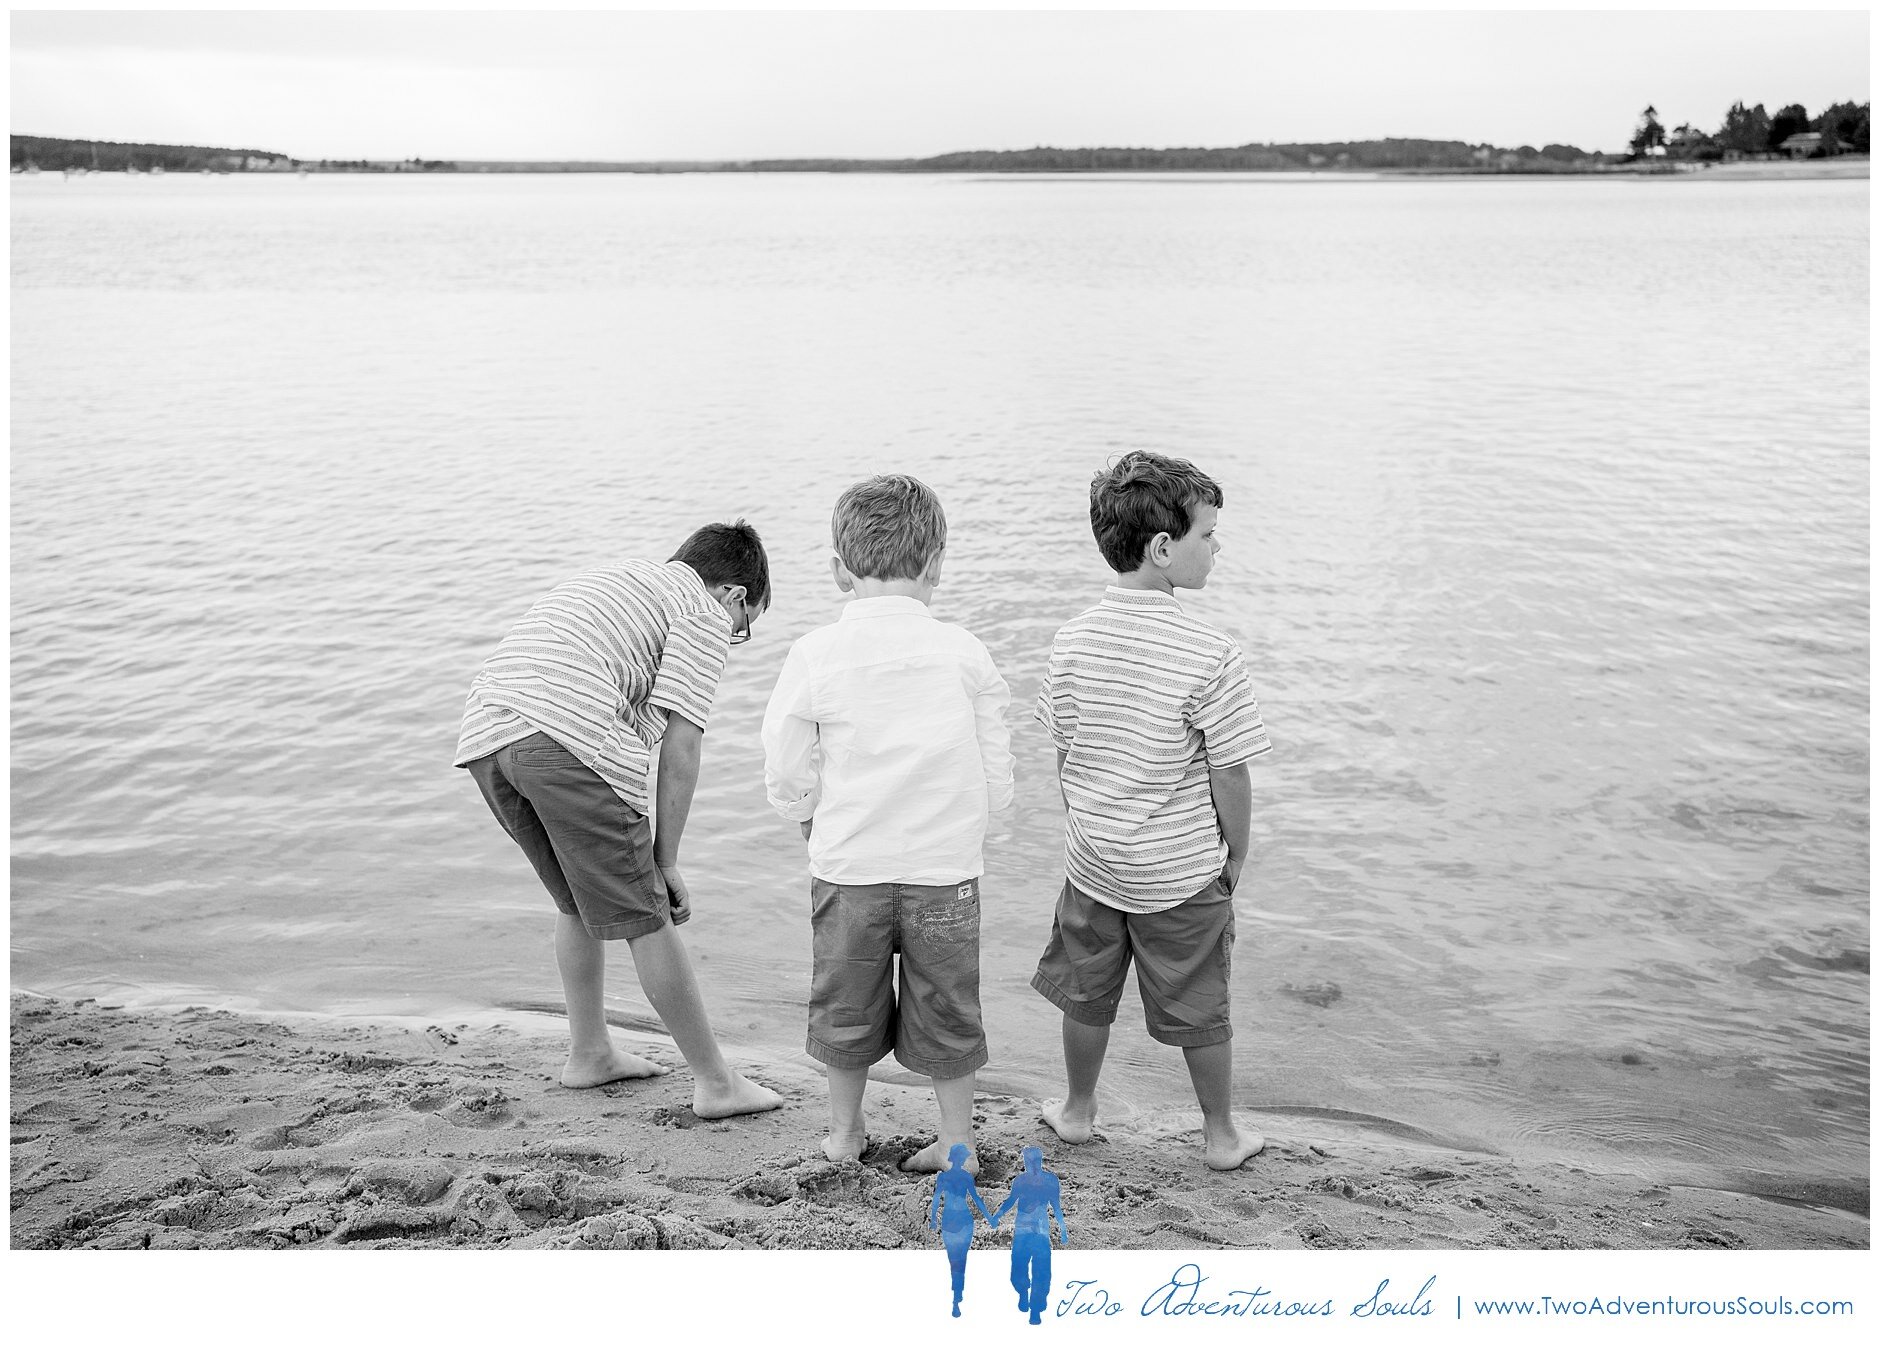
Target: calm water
<point>1546,532</point>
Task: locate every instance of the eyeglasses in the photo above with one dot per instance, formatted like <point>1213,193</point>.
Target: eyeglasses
<point>742,635</point>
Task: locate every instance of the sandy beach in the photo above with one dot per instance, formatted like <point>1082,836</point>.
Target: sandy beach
<point>201,1128</point>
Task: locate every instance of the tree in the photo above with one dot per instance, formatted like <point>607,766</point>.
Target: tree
<point>1745,129</point>
<point>1650,133</point>
<point>1846,121</point>
<point>1786,124</point>
<point>1692,143</point>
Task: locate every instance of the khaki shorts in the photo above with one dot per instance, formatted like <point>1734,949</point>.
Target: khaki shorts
<point>855,1016</point>
<point>1181,954</point>
<point>592,852</point>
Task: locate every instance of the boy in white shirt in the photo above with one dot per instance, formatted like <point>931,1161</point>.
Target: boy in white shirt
<point>884,738</point>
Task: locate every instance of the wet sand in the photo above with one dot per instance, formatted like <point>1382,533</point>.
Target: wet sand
<point>199,1128</point>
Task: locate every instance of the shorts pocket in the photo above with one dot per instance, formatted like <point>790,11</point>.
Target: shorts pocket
<point>541,752</point>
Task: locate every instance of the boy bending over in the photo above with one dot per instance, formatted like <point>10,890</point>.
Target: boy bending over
<point>558,733</point>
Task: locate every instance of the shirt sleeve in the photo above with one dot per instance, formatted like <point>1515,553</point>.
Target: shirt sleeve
<point>1227,716</point>
<point>792,753</point>
<point>995,742</point>
<point>690,662</point>
<point>1053,708</point>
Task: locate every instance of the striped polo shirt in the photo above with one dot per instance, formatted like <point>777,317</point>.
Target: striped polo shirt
<point>597,664</point>
<point>1143,701</point>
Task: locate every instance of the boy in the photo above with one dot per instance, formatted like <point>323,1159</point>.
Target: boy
<point>558,733</point>
<point>884,739</point>
<point>1154,720</point>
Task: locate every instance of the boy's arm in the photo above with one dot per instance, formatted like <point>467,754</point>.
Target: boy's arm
<point>690,661</point>
<point>1233,808</point>
<point>678,778</point>
<point>995,742</point>
<point>1003,1207</point>
<point>984,1213</point>
<point>1047,711</point>
<point>792,756</point>
<point>1227,716</point>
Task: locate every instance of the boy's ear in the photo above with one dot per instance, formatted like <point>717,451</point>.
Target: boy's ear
<point>931,575</point>
<point>844,581</point>
<point>1158,550</point>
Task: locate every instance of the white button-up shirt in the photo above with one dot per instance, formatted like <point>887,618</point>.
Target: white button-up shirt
<point>886,727</point>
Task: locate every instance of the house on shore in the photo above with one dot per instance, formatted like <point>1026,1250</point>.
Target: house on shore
<point>1804,145</point>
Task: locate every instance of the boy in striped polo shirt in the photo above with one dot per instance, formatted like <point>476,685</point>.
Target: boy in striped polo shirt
<point>1154,720</point>
<point>558,733</point>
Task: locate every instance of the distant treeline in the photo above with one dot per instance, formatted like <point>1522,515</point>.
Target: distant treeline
<point>1745,132</point>
<point>1389,153</point>
<point>64,153</point>
<point>67,153</point>
<point>1839,129</point>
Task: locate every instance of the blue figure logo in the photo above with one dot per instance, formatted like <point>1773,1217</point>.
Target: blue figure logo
<point>954,1190</point>
<point>1036,1194</point>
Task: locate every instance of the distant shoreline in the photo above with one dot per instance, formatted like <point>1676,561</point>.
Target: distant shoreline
<point>1386,156</point>
<point>1839,168</point>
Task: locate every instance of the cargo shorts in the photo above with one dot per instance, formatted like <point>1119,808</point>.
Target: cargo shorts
<point>857,1016</point>
<point>1182,957</point>
<point>592,852</point>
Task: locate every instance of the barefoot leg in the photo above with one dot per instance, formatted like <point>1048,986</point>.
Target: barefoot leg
<point>666,977</point>
<point>592,1058</point>
<point>848,1131</point>
<point>1211,1069</point>
<point>1074,1118</point>
<point>954,1095</point>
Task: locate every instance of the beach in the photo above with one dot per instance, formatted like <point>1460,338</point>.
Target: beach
<point>197,1128</point>
<point>1523,878</point>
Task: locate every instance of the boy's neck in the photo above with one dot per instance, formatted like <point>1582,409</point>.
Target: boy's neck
<point>1146,577</point>
<point>875,588</point>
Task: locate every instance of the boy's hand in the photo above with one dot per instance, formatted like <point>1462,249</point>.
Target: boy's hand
<point>676,892</point>
<point>1232,869</point>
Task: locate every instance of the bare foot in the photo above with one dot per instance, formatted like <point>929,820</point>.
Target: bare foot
<point>581,1073</point>
<point>1072,1125</point>
<point>1225,1156</point>
<point>932,1159</point>
<point>744,1096</point>
<point>845,1147</point>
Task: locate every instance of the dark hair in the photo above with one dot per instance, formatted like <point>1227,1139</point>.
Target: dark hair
<point>1141,495</point>
<point>888,527</point>
<point>728,555</point>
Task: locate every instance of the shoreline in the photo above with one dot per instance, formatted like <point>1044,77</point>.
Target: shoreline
<point>1832,168</point>
<point>199,1128</point>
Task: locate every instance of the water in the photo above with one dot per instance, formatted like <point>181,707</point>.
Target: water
<point>1546,533</point>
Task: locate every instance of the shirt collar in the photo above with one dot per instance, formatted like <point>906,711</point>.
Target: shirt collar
<point>1151,601</point>
<point>883,606</point>
<point>691,580</point>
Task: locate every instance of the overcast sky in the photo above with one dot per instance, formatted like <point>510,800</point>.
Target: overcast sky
<point>665,85</point>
